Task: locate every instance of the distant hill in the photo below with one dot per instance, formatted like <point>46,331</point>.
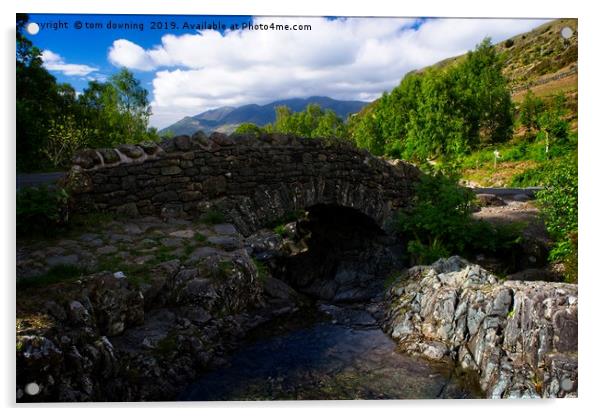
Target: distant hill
<point>226,119</point>
<point>540,60</point>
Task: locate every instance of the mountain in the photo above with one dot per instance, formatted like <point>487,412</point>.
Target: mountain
<point>226,119</point>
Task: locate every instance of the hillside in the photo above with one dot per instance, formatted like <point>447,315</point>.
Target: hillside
<point>226,119</point>
<point>540,60</point>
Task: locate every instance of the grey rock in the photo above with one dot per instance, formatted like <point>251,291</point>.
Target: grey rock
<point>183,233</point>
<point>227,229</point>
<point>182,142</point>
<point>129,210</point>
<point>68,260</point>
<point>201,253</point>
<point>490,200</point>
<point>276,288</point>
<point>228,243</point>
<point>521,197</point>
<point>107,250</point>
<point>131,151</point>
<point>501,330</point>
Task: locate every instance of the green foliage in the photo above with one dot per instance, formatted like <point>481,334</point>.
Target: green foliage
<point>167,346</point>
<point>212,217</point>
<point>53,122</point>
<point>57,274</point>
<point>427,253</point>
<point>201,238</point>
<point>439,223</point>
<point>540,175</point>
<point>313,122</point>
<point>64,139</point>
<point>440,112</point>
<point>41,210</point>
<point>262,270</point>
<point>558,202</point>
<point>116,111</point>
<point>249,128</point>
<point>168,135</point>
<point>553,128</point>
<point>529,111</point>
<point>39,100</point>
<point>438,217</point>
<point>280,230</point>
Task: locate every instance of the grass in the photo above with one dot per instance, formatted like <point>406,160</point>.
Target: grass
<point>91,219</point>
<point>57,274</point>
<point>137,274</point>
<point>280,230</point>
<point>224,269</point>
<point>520,163</point>
<point>201,238</point>
<point>391,279</point>
<point>212,217</point>
<point>167,345</point>
<point>262,270</point>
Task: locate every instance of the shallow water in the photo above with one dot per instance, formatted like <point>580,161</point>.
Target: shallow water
<point>339,355</point>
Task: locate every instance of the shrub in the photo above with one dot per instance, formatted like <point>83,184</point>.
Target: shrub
<point>439,223</point>
<point>437,219</point>
<point>558,202</point>
<point>41,210</point>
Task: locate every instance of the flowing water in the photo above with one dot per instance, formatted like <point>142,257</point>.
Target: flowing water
<point>331,353</point>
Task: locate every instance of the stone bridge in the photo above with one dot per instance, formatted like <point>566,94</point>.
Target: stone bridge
<point>253,181</point>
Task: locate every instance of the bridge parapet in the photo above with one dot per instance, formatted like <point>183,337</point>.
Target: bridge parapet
<point>252,180</point>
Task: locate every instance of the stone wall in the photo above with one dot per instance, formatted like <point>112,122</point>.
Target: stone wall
<point>252,180</point>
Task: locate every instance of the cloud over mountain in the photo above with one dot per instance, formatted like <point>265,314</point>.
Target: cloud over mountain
<point>346,58</point>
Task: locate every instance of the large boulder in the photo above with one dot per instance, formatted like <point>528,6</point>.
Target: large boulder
<point>519,337</point>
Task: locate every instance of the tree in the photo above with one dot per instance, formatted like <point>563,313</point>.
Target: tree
<point>440,112</point>
<point>530,109</point>
<point>312,122</point>
<point>435,127</point>
<point>117,111</point>
<point>106,114</point>
<point>553,128</point>
<point>481,91</point>
<point>249,128</point>
<point>39,100</point>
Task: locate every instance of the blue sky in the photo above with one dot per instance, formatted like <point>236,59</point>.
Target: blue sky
<point>188,71</point>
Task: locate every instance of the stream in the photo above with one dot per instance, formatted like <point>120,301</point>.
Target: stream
<point>329,352</point>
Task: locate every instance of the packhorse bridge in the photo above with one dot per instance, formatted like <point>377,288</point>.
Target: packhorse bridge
<point>252,180</point>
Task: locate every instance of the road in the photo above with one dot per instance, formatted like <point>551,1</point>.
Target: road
<point>25,180</point>
<point>508,192</point>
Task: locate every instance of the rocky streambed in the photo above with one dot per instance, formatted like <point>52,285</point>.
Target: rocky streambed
<point>324,353</point>
<point>179,309</point>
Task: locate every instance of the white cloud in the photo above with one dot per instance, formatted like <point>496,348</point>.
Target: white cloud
<point>128,54</point>
<point>54,62</point>
<point>354,58</point>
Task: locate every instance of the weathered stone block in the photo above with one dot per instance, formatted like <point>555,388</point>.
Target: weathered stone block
<point>182,142</point>
<point>109,156</point>
<point>131,151</point>
<point>167,196</point>
<point>171,170</point>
